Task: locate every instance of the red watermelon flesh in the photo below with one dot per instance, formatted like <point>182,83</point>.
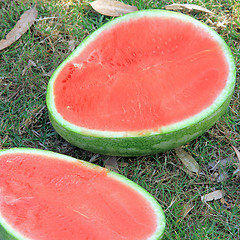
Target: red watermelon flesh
<point>142,74</point>
<point>45,198</point>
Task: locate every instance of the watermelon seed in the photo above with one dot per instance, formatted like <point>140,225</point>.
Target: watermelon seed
<point>134,54</point>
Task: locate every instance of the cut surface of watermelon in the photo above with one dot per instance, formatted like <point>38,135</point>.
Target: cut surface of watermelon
<point>49,196</point>
<point>146,73</point>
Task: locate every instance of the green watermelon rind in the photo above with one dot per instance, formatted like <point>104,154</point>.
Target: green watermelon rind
<point>134,143</point>
<point>9,233</point>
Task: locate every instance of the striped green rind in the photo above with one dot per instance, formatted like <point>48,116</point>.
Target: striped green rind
<point>9,233</point>
<point>149,141</point>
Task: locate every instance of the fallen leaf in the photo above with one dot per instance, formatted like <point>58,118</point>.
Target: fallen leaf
<point>112,7</point>
<point>23,24</point>
<point>215,195</point>
<point>189,162</point>
<point>111,163</point>
<point>237,172</point>
<point>237,152</point>
<point>178,6</point>
<point>30,63</point>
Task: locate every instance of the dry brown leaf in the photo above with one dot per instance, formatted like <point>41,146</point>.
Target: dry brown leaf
<point>215,195</point>
<point>237,152</point>
<point>178,6</point>
<point>23,24</point>
<point>237,172</point>
<point>189,162</point>
<point>111,163</point>
<point>112,7</point>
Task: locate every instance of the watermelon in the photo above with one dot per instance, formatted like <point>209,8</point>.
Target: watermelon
<point>143,83</point>
<point>50,196</point>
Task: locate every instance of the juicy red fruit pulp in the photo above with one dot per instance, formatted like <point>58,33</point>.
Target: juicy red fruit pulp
<point>45,198</point>
<point>141,74</point>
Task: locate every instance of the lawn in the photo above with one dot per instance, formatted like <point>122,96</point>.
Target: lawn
<point>25,69</point>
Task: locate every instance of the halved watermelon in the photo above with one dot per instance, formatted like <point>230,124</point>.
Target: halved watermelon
<point>49,196</point>
<point>143,83</point>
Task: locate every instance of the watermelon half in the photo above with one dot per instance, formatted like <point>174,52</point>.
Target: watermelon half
<point>50,196</point>
<point>143,83</point>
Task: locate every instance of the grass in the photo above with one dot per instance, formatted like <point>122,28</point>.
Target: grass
<point>24,119</point>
